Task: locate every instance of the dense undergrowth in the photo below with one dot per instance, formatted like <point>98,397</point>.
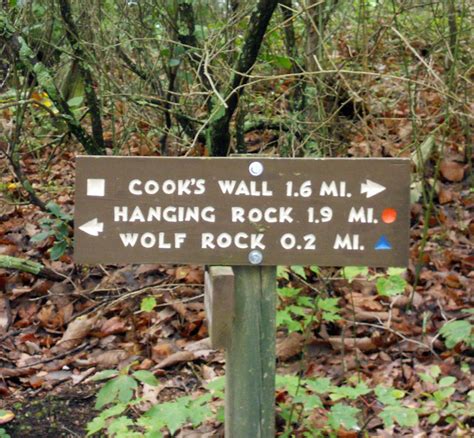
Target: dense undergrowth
<point>361,351</point>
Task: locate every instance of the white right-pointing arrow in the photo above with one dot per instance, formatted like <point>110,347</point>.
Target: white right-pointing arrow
<point>371,188</point>
<point>93,227</point>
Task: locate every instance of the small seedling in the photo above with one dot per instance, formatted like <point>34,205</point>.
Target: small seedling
<point>57,226</point>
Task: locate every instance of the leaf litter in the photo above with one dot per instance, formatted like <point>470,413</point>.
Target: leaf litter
<point>56,334</point>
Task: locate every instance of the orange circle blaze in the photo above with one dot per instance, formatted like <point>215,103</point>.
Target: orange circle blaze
<point>389,215</point>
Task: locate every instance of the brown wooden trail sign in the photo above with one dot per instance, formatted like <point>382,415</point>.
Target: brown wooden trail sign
<point>242,211</point>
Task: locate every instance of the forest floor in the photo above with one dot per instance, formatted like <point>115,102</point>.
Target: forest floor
<point>56,334</point>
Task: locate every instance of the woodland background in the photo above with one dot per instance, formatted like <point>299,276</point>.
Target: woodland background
<point>361,352</point>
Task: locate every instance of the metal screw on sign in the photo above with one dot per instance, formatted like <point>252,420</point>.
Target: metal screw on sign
<point>255,257</point>
<point>256,168</point>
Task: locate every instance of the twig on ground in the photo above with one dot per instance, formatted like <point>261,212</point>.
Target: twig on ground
<point>85,345</point>
<point>391,330</point>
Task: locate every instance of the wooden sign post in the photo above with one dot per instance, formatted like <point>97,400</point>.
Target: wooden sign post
<point>250,214</point>
<point>241,309</point>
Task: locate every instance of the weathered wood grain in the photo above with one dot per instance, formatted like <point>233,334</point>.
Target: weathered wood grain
<point>219,293</point>
<point>250,355</point>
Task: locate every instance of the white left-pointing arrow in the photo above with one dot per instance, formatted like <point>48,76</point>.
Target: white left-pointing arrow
<point>93,227</point>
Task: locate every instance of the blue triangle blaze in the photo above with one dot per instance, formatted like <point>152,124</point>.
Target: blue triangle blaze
<point>383,243</point>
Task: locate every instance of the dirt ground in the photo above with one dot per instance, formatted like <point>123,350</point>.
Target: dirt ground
<point>62,415</point>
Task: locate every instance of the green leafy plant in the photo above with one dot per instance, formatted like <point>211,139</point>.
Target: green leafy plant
<point>390,284</point>
<point>295,270</point>
<point>294,317</point>
<point>298,311</point>
<point>438,403</point>
<point>173,415</point>
<point>304,397</point>
<point>343,415</point>
<point>349,392</point>
<point>119,395</point>
<point>344,406</point>
<point>455,332</point>
<point>57,226</point>
<point>351,272</point>
<point>404,416</point>
<point>148,304</point>
<point>393,411</point>
<point>301,400</point>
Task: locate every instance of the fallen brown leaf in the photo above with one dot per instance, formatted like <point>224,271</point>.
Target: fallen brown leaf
<point>363,344</point>
<point>78,378</point>
<point>363,315</point>
<point>76,331</point>
<point>452,170</point>
<point>162,350</point>
<point>46,316</point>
<point>181,272</point>
<point>180,308</point>
<point>176,358</point>
<point>17,372</point>
<point>147,269</point>
<point>367,302</point>
<point>5,314</point>
<point>195,276</point>
<point>343,433</point>
<point>108,359</point>
<point>146,364</point>
<point>445,195</point>
<point>289,346</point>
<point>4,391</point>
<point>38,380</point>
<point>6,416</point>
<point>208,373</point>
<point>201,348</point>
<point>113,326</point>
<point>58,376</point>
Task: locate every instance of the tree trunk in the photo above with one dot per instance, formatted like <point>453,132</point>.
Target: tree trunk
<point>297,95</point>
<point>19,50</point>
<point>319,13</point>
<point>218,131</point>
<point>86,73</point>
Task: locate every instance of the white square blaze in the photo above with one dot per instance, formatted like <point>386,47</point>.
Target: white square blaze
<point>95,187</point>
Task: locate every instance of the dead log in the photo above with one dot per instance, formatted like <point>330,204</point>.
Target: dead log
<point>8,262</point>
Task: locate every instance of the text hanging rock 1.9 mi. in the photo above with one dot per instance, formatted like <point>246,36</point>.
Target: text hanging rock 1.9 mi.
<point>242,211</point>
